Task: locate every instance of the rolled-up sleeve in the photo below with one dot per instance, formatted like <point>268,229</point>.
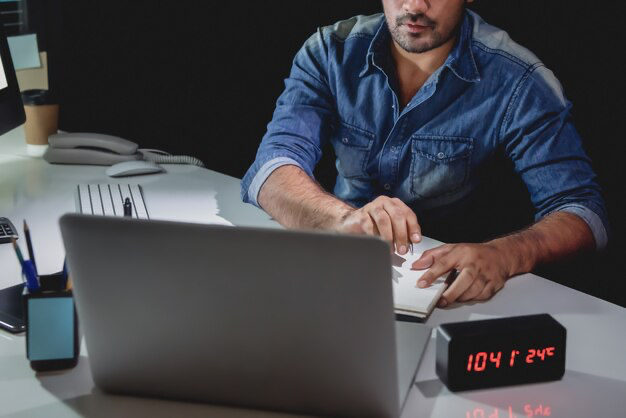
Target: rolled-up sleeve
<point>302,121</point>
<point>539,136</point>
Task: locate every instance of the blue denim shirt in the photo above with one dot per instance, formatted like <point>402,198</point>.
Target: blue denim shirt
<point>490,95</point>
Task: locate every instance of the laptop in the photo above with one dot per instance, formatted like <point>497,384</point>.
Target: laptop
<point>290,321</point>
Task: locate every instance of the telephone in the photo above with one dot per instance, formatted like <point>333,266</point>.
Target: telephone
<point>100,149</point>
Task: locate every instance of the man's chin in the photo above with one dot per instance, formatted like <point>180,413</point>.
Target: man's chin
<point>413,47</point>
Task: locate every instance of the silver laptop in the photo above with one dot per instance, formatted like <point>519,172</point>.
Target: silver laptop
<point>291,321</point>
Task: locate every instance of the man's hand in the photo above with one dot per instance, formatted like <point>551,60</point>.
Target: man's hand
<point>388,217</point>
<point>482,268</point>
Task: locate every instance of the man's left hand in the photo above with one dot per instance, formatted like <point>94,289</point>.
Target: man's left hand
<point>482,268</point>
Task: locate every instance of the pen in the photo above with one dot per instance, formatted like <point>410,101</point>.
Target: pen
<point>27,269</point>
<point>18,252</point>
<point>128,208</point>
<point>64,274</point>
<point>29,246</point>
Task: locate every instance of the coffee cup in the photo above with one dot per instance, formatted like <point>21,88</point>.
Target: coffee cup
<point>42,120</point>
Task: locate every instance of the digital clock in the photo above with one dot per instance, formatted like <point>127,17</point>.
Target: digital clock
<point>500,352</point>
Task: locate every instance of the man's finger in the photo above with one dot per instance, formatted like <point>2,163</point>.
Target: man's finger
<point>367,225</point>
<point>456,289</point>
<point>440,267</point>
<point>413,226</point>
<point>430,256</point>
<point>383,223</point>
<point>487,292</point>
<point>474,290</point>
<point>398,225</point>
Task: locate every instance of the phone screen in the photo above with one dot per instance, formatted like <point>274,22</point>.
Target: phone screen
<point>50,328</point>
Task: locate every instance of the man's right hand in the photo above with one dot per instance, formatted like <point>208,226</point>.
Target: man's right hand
<point>387,217</point>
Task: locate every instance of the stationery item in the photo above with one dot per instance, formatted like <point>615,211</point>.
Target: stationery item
<point>29,246</point>
<point>18,252</point>
<point>27,269</point>
<point>64,274</point>
<point>409,299</point>
<point>24,51</point>
<point>32,280</point>
<point>52,339</point>
<point>128,208</point>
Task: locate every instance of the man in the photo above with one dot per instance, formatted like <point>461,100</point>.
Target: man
<point>416,103</point>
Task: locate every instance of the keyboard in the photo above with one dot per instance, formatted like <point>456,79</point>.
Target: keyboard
<point>108,200</point>
<point>7,231</point>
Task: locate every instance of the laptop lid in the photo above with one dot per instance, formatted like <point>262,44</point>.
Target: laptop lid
<point>273,319</point>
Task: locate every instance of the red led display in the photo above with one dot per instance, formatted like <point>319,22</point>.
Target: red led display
<point>478,362</point>
<point>500,352</point>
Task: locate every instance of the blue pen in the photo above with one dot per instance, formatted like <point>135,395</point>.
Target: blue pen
<point>28,269</point>
<point>64,274</point>
<point>29,246</point>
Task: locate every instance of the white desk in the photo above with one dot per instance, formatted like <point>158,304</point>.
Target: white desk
<point>594,384</point>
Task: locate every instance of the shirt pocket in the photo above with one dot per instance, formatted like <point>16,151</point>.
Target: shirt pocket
<point>352,147</point>
<point>440,165</point>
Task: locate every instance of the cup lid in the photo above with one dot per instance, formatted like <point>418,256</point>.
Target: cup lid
<point>37,97</point>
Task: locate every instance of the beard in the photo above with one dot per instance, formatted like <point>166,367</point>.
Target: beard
<point>418,43</point>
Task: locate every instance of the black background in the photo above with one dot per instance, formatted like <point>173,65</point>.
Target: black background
<point>202,78</point>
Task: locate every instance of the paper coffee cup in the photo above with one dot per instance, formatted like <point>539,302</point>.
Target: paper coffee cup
<point>42,120</point>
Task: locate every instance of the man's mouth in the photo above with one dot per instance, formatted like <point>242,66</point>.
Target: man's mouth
<point>416,27</point>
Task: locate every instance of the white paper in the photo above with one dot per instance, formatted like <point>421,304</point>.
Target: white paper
<point>408,298</point>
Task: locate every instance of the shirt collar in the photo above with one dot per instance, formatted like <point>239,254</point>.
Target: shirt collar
<point>461,60</point>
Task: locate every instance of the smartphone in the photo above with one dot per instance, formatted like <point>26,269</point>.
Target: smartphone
<point>52,331</point>
<point>12,309</point>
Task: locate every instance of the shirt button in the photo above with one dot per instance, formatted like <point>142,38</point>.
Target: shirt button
<point>387,186</point>
<point>441,155</point>
<point>345,140</point>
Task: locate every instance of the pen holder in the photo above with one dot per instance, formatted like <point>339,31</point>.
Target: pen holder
<point>52,340</point>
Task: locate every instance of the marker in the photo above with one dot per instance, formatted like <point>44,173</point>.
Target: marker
<point>29,246</point>
<point>128,208</point>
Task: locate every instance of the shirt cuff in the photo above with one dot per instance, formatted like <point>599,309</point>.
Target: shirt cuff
<point>592,219</point>
<point>262,175</point>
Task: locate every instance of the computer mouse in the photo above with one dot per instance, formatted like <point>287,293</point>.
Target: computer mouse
<point>133,168</point>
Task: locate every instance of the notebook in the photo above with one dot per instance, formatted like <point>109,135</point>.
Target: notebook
<point>409,299</point>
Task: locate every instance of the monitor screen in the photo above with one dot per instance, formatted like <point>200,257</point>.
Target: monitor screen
<point>3,76</point>
<point>11,108</point>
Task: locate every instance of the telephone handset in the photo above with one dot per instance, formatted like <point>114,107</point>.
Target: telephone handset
<point>100,149</point>
<point>91,149</point>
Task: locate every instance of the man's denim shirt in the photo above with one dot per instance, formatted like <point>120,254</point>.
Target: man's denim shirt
<point>490,94</point>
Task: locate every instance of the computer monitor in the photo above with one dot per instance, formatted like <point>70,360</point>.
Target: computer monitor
<point>11,108</point>
<point>11,116</point>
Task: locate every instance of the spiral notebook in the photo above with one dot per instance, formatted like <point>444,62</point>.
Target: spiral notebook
<point>409,299</point>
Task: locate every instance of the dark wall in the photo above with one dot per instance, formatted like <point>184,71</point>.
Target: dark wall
<point>202,78</point>
<point>192,77</point>
<point>582,45</point>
